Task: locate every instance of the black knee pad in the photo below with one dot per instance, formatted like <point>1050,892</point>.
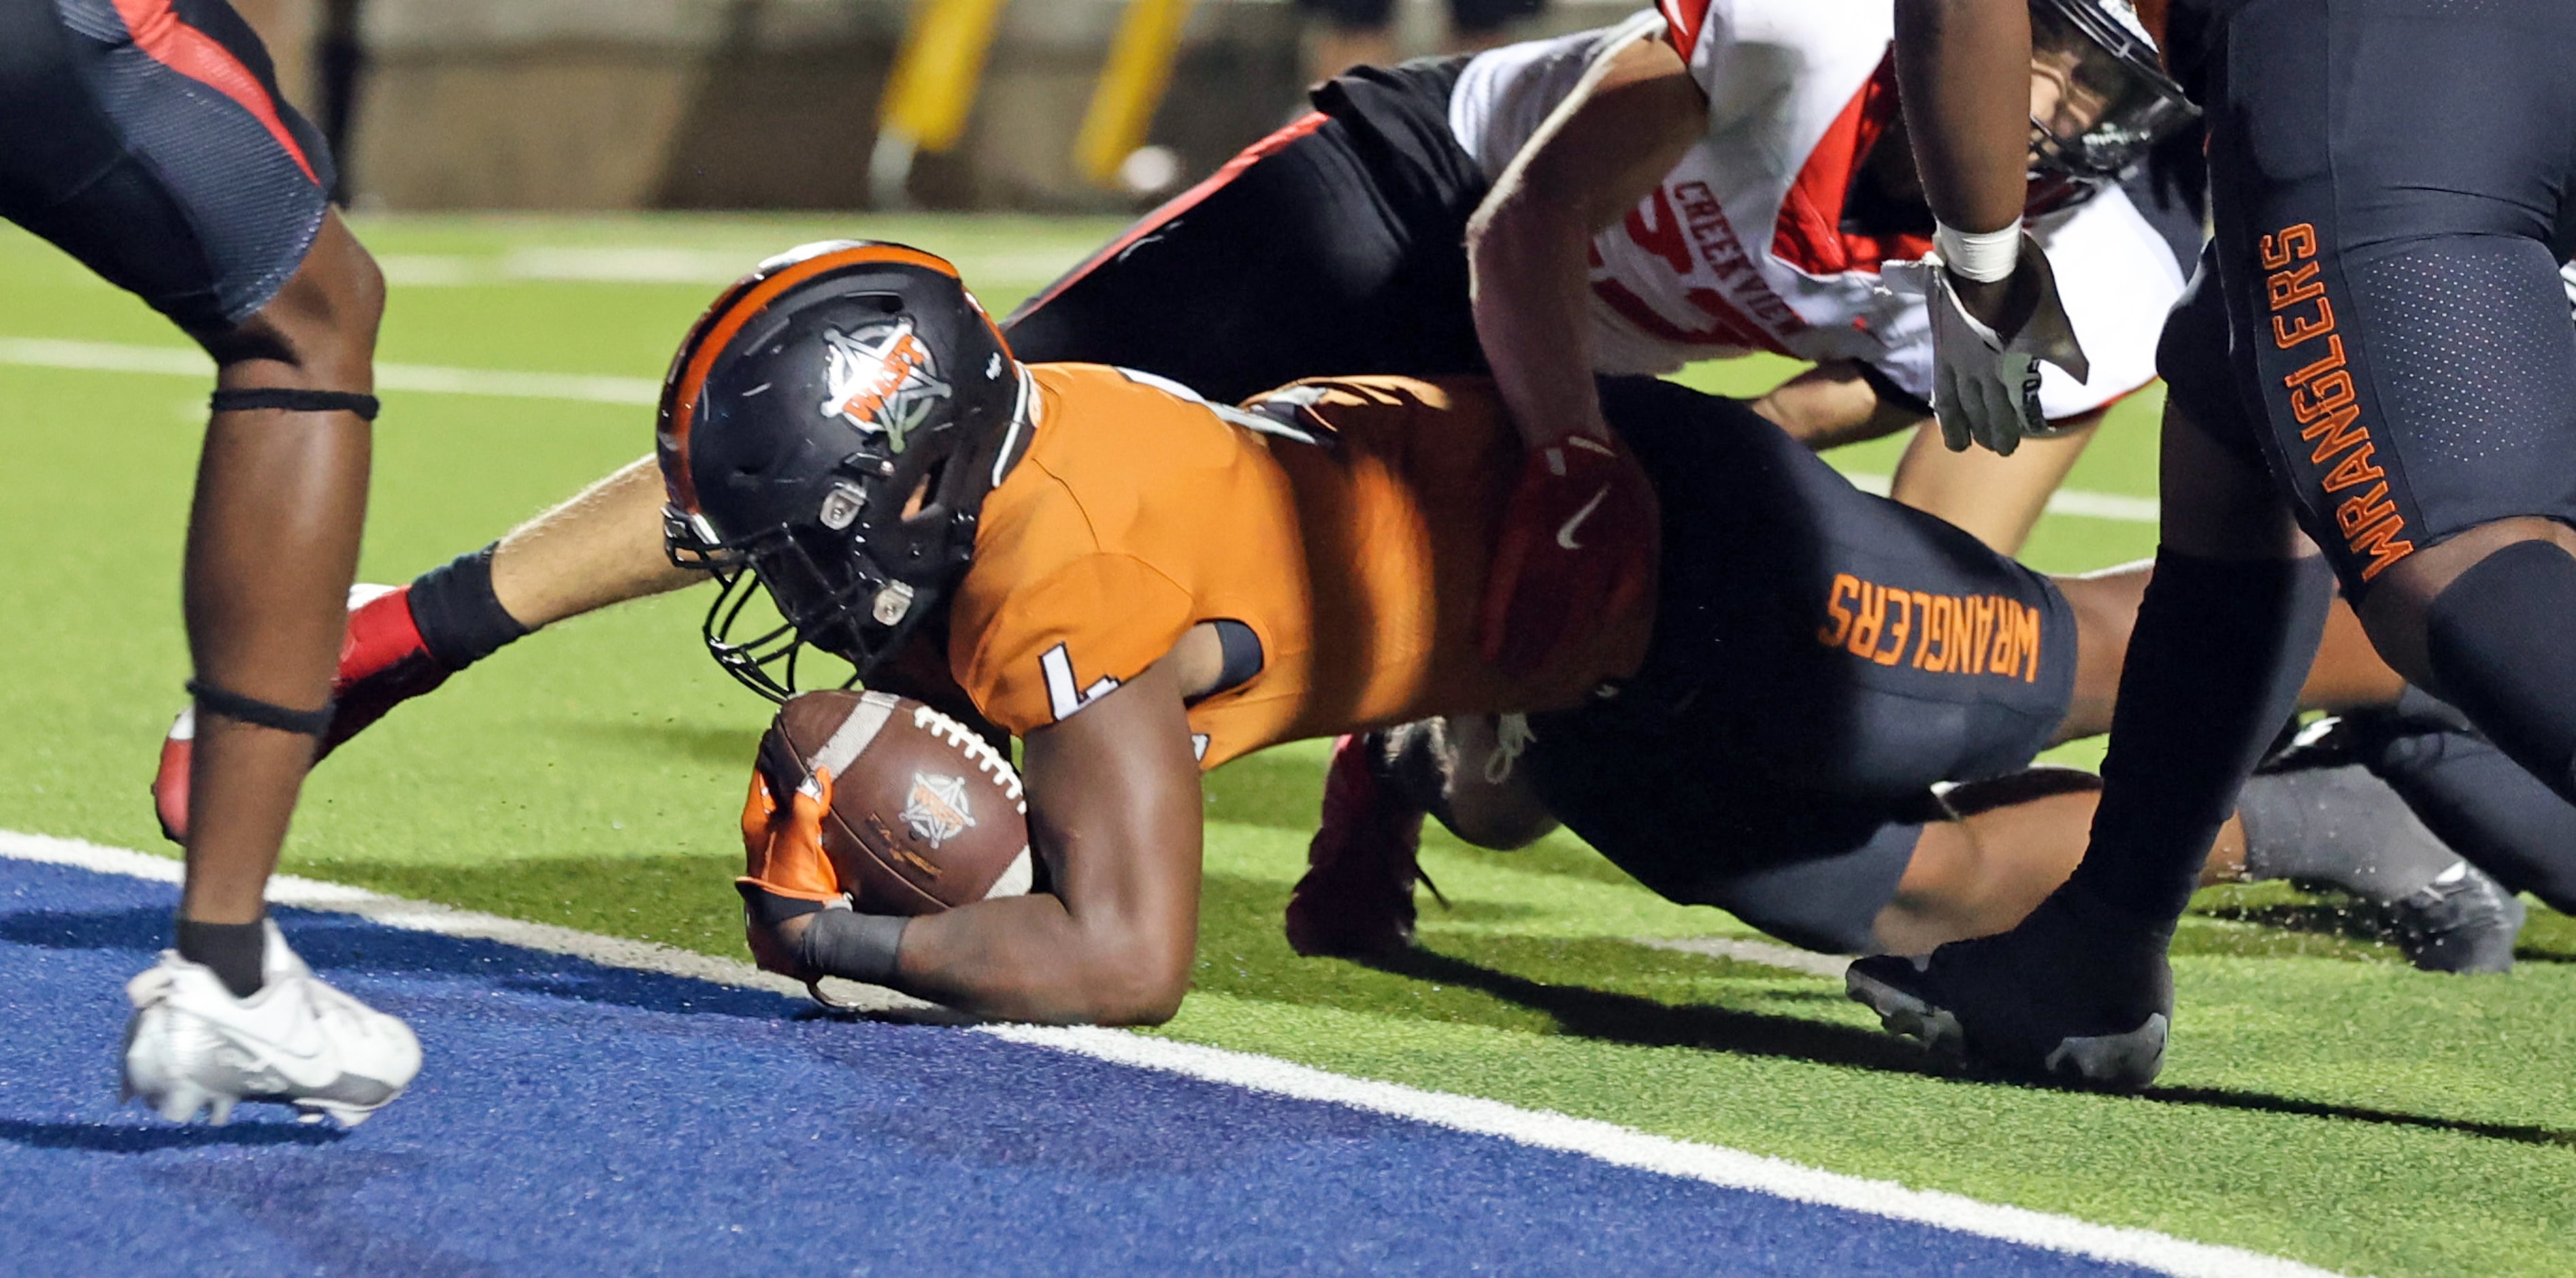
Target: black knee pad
<point>2498,642</point>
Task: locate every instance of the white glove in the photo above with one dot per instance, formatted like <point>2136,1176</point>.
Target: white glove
<point>1985,390</point>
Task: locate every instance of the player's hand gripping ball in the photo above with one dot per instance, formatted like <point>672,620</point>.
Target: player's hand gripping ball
<point>887,801</point>
<point>1577,542</point>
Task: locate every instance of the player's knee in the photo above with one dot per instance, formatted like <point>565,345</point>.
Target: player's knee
<point>1502,818</point>
<point>2400,609</point>
<point>1486,797</point>
<point>321,327</point>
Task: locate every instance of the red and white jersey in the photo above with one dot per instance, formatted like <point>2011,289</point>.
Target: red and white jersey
<point>1742,247</point>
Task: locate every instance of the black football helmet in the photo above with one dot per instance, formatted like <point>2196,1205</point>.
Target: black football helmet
<point>828,431</point>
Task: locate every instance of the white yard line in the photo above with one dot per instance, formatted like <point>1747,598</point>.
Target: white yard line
<point>1763,953</point>
<point>664,264</point>
<point>1543,1129</point>
<point>181,361</point>
<point>2081,503</point>
<point>118,357</point>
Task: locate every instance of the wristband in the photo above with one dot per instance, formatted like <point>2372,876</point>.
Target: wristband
<point>1983,256</point>
<point>860,947</point>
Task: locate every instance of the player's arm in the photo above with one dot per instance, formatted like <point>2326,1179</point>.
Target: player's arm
<point>1963,72</point>
<point>1625,126</point>
<point>1114,806</point>
<point>1578,534</point>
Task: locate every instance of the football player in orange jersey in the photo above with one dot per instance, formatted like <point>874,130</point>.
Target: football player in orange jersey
<point>1342,245</point>
<point>1140,585</point>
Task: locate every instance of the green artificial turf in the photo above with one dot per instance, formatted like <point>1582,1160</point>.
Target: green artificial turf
<point>2323,1101</point>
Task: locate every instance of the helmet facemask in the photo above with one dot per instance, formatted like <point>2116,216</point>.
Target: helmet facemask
<point>2099,94</point>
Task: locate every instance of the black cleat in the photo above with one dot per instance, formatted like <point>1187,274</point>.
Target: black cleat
<point>2460,922</point>
<point>2077,995</point>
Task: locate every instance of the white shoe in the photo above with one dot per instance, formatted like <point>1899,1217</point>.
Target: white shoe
<point>192,1045</point>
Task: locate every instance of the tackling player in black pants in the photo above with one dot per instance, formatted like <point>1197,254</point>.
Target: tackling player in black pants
<point>146,138</point>
<point>2377,351</point>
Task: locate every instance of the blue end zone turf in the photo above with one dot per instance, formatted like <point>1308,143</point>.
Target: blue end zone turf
<point>579,1118</point>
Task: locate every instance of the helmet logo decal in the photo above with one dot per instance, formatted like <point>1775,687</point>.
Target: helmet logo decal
<point>936,809</point>
<point>880,379</point>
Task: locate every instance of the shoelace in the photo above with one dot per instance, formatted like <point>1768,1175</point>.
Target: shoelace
<point>1512,737</point>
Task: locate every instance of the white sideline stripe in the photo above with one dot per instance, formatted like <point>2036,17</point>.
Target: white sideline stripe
<point>2082,503</point>
<point>651,264</point>
<point>1592,1138</point>
<point>423,916</point>
<point>1763,953</point>
<point>180,361</point>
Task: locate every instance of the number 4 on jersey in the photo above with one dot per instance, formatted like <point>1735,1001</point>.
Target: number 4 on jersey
<point>1064,694</point>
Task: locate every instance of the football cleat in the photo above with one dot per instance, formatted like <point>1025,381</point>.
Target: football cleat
<point>2076,995</point>
<point>1356,899</point>
<point>2463,921</point>
<point>383,663</point>
<point>192,1046</point>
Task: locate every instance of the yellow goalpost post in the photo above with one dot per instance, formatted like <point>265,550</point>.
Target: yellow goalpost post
<point>931,89</point>
<point>939,70</point>
<point>1131,88</point>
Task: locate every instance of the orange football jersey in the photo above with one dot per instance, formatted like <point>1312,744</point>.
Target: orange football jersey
<point>1347,522</point>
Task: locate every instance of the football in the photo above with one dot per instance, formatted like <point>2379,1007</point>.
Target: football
<point>925,814</point>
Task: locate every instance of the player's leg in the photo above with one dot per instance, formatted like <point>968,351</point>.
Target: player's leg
<point>1356,897</point>
<point>602,546</point>
<point>2324,199</point>
<point>272,543</point>
<point>1824,657</point>
<point>148,141</point>
<point>2401,252</point>
<point>2468,792</point>
<point>1322,249</point>
<point>1997,499</point>
<point>2346,675</point>
<point>2007,843</point>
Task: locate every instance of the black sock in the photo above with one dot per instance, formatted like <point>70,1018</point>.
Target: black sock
<point>2339,827</point>
<point>2498,643</point>
<point>460,619</point>
<point>2213,670</point>
<point>2486,806</point>
<point>233,950</point>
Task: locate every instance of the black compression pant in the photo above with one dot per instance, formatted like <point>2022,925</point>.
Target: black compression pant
<point>149,141</point>
<point>2380,323</point>
<point>1301,258</point>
